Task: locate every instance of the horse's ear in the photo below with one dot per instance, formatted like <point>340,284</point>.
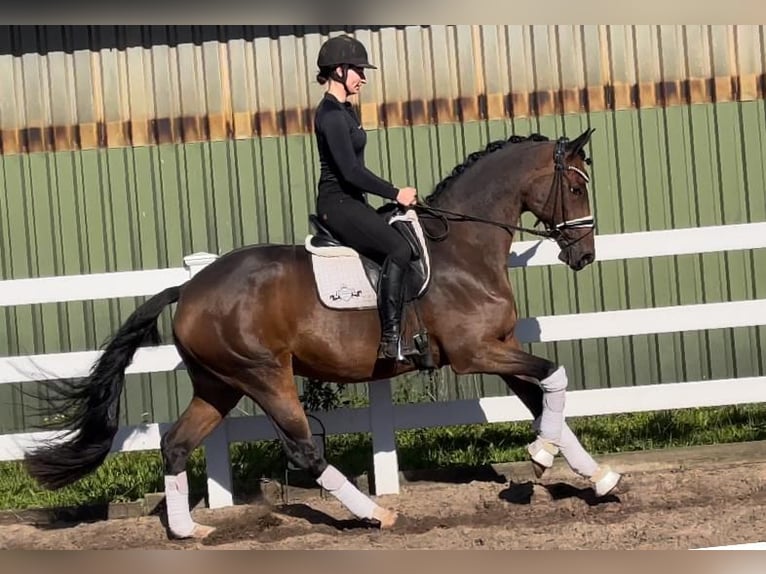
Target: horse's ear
<point>576,145</point>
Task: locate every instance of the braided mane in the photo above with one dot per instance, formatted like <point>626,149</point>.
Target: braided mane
<point>491,147</point>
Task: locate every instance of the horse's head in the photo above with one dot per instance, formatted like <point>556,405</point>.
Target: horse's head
<point>558,197</point>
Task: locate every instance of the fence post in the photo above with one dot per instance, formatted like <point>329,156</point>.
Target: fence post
<point>217,459</point>
<point>196,261</point>
<point>218,467</point>
<point>385,461</point>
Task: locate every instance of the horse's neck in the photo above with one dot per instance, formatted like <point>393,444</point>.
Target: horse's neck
<point>502,205</point>
<point>506,208</point>
<point>489,190</point>
<point>479,247</point>
<point>492,192</point>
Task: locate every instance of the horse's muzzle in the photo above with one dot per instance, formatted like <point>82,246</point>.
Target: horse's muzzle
<point>576,261</point>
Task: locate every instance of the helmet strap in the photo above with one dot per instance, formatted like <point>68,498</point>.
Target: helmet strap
<point>342,78</point>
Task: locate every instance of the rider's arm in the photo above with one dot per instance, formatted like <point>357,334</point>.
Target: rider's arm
<point>335,128</point>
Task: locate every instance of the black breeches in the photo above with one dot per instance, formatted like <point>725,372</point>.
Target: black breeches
<point>360,227</point>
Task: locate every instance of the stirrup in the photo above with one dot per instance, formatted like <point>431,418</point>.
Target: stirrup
<point>385,346</point>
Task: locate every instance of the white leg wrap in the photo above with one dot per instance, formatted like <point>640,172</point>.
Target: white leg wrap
<point>334,482</point>
<point>554,399</point>
<point>603,478</point>
<point>177,501</point>
<point>575,454</point>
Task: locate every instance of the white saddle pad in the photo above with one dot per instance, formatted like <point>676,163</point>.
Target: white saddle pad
<point>340,277</point>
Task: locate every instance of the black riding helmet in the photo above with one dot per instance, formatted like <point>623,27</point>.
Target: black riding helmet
<point>341,50</point>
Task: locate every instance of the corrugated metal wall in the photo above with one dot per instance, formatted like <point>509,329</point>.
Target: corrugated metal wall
<point>69,87</point>
<point>128,148</point>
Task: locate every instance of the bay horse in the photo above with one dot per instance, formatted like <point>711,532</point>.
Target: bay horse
<point>251,321</point>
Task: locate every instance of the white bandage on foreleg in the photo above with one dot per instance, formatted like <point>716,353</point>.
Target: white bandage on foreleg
<point>554,398</point>
<point>334,482</point>
<point>177,502</point>
<point>572,450</point>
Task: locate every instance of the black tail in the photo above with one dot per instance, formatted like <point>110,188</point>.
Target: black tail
<point>91,406</point>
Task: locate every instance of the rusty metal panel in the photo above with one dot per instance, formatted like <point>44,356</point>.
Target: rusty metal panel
<point>86,87</point>
<point>11,112</point>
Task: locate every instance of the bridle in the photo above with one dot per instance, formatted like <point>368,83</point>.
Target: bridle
<point>552,231</point>
<point>556,231</point>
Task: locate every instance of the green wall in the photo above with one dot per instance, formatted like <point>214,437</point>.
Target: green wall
<point>145,208</point>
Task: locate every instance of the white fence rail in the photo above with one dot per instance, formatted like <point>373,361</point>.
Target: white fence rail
<point>383,418</point>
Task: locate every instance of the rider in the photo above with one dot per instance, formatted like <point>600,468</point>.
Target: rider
<point>344,182</point>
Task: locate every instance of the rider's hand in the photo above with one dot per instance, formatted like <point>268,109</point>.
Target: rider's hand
<point>407,196</point>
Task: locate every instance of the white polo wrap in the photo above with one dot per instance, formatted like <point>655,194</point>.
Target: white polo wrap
<point>334,482</point>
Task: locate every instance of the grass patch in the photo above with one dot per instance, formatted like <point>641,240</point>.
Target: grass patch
<point>128,476</point>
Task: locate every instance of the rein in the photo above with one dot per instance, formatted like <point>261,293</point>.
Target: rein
<point>440,214</point>
<point>552,232</point>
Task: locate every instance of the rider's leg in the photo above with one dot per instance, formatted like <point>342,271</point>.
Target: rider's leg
<point>359,226</point>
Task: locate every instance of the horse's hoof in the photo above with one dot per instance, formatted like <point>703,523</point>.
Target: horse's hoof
<point>202,531</point>
<point>542,453</point>
<point>387,518</point>
<point>605,481</point>
<point>199,532</point>
<point>539,469</point>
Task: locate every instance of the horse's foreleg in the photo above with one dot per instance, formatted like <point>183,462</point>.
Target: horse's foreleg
<point>603,478</point>
<point>546,400</point>
<point>505,358</point>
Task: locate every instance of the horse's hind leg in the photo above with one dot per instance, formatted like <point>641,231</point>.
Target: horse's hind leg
<point>603,478</point>
<point>213,399</point>
<point>274,389</point>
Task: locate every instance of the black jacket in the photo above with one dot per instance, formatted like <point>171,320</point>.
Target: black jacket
<point>340,142</point>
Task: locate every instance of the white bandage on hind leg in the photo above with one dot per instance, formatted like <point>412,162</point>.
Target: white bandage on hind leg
<point>334,482</point>
<point>554,398</point>
<point>177,502</point>
<point>573,452</point>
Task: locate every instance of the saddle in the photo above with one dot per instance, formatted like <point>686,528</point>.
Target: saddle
<point>346,279</point>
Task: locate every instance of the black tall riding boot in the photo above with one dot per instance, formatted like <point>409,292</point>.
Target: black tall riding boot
<point>390,303</point>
